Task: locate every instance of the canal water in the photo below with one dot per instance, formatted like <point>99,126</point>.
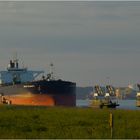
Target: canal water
<point>124,104</point>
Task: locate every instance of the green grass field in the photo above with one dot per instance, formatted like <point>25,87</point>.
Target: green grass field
<point>59,122</point>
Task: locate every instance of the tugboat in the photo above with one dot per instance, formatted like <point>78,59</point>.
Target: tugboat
<point>138,96</point>
<point>102,99</point>
<point>18,86</point>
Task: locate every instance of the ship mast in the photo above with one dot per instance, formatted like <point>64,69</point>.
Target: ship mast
<point>50,75</point>
<point>15,60</point>
<point>51,68</point>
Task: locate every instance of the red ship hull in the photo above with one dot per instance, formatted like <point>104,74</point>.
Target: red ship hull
<point>42,100</point>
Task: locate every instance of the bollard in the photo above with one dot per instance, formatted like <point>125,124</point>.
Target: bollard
<point>111,125</point>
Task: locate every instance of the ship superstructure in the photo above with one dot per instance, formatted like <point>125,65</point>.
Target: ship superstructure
<point>15,74</point>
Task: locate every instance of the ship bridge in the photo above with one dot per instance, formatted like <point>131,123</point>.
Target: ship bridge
<point>14,74</point>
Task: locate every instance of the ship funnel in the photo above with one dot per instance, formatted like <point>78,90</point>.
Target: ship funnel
<point>15,60</point>
<point>12,64</point>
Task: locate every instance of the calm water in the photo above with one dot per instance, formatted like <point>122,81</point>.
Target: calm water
<point>124,104</point>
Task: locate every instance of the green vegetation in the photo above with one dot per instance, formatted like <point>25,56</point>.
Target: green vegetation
<point>59,122</point>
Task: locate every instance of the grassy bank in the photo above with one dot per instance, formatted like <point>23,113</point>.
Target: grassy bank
<point>59,122</point>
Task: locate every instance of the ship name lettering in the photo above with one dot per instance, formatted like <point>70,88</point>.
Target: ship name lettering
<point>28,86</point>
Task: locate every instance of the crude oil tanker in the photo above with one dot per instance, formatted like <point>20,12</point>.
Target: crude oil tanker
<point>18,86</point>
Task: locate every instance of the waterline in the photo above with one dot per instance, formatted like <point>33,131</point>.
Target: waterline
<point>124,104</point>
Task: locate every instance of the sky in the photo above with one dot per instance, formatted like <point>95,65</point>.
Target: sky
<point>88,42</point>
